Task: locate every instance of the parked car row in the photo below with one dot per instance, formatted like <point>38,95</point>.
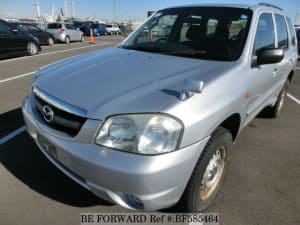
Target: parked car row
<point>18,38</point>
<point>99,29</point>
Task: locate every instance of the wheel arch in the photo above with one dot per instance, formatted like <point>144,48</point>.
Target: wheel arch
<point>290,76</point>
<point>232,124</point>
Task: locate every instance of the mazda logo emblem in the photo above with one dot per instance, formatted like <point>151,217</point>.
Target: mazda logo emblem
<point>48,113</point>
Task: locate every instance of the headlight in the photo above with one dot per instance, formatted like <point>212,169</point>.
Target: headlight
<point>141,133</point>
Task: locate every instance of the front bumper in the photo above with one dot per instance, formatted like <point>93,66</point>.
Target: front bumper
<point>130,180</point>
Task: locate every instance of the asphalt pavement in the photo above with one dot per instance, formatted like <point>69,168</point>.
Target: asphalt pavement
<point>262,184</point>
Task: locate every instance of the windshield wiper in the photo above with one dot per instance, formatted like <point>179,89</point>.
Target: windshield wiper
<point>190,54</point>
<point>148,48</point>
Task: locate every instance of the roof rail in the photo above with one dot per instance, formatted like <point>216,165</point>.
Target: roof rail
<point>270,5</point>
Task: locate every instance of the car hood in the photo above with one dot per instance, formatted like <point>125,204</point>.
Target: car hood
<point>116,80</point>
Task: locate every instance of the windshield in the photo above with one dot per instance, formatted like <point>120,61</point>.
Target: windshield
<point>214,33</point>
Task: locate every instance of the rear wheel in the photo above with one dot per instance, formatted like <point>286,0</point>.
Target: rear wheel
<point>209,173</point>
<point>50,41</point>
<point>82,38</point>
<point>275,111</point>
<point>67,40</point>
<point>31,48</point>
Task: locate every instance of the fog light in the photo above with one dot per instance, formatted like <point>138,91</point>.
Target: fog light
<point>135,202</point>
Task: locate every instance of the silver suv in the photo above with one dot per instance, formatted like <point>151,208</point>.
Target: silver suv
<point>159,128</point>
<point>65,32</point>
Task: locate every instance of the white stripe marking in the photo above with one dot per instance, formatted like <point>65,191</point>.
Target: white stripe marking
<point>12,135</point>
<point>297,68</point>
<point>50,53</point>
<point>293,98</point>
<point>16,77</point>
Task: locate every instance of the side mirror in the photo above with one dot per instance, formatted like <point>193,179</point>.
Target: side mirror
<point>269,56</point>
<point>77,28</point>
<point>191,87</point>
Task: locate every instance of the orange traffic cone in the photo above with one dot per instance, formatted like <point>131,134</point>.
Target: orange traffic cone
<point>92,41</point>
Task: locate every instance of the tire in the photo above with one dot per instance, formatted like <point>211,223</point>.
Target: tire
<point>31,48</point>
<point>50,41</point>
<point>275,111</point>
<point>82,38</point>
<point>67,40</point>
<point>201,190</point>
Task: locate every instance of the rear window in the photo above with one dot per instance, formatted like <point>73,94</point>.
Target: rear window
<point>108,25</point>
<point>281,31</point>
<point>292,31</point>
<point>69,26</point>
<point>54,26</point>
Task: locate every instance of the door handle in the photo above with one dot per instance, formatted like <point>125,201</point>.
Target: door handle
<point>274,73</point>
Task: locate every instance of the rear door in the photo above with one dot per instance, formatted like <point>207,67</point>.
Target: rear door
<point>38,33</point>
<point>71,30</point>
<point>286,65</point>
<point>6,44</point>
<point>292,41</point>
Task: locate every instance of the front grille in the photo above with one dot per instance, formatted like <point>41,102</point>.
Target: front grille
<point>63,121</point>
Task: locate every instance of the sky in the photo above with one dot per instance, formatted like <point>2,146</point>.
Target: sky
<point>125,9</point>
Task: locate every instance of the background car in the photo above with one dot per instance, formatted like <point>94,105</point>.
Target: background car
<point>65,32</point>
<point>98,29</point>
<point>44,37</point>
<point>16,42</point>
<point>113,29</point>
<point>83,25</point>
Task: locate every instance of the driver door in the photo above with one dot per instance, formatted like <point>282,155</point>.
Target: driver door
<point>262,76</point>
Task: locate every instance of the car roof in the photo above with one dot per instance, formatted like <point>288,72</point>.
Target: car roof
<point>243,6</point>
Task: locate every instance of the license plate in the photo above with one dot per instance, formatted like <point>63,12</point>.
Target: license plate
<point>47,146</point>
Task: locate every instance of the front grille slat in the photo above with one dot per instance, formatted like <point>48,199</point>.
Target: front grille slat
<point>63,121</point>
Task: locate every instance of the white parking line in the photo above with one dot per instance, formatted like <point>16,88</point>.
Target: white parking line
<point>297,68</point>
<point>16,77</point>
<point>293,98</point>
<point>50,53</point>
<point>12,135</point>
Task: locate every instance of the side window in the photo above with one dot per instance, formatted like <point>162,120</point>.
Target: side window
<point>292,30</point>
<point>4,29</point>
<point>265,37</point>
<point>281,32</point>
<point>69,27</point>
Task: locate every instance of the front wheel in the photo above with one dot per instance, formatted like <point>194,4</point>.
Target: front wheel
<point>31,48</point>
<point>82,38</point>
<point>67,40</point>
<point>209,173</point>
